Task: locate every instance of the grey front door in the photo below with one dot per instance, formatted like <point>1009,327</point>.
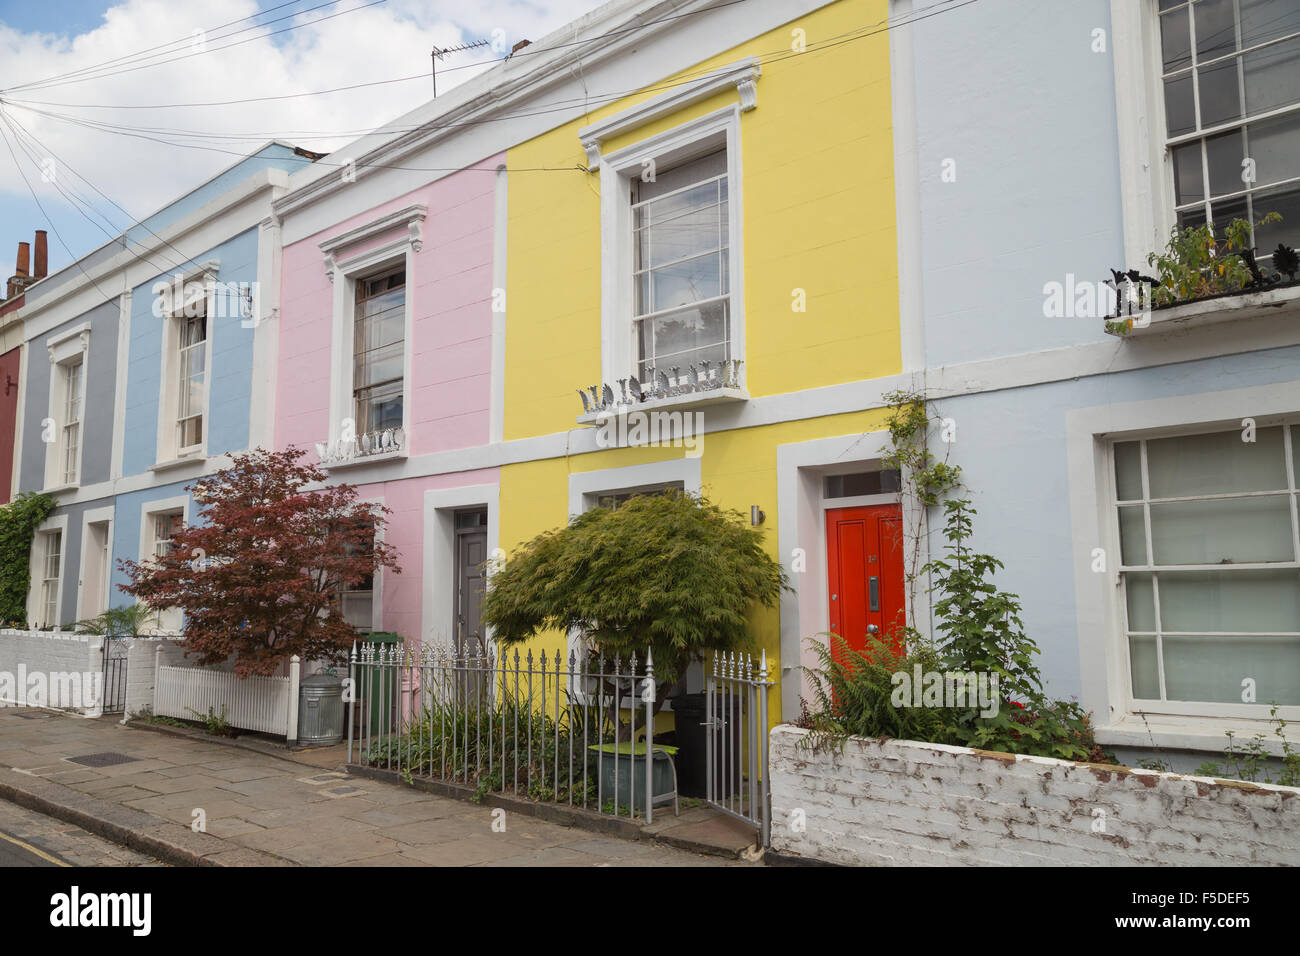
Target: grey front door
<point>471,554</point>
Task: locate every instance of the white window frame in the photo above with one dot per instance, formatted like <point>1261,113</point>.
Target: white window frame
<point>801,506</point>
<point>173,320</point>
<point>66,350</point>
<point>1180,708</point>
<point>105,515</point>
<point>694,138</point>
<point>1146,165</point>
<point>438,609</point>
<point>377,579</point>
<point>56,524</point>
<point>150,511</point>
<point>1101,615</point>
<point>344,272</point>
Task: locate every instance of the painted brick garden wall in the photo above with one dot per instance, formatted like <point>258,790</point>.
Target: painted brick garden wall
<point>898,802</point>
<point>144,655</point>
<point>63,666</point>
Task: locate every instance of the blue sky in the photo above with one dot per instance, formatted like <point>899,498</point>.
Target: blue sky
<point>166,152</point>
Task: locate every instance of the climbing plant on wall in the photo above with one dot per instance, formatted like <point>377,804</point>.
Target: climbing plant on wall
<point>18,522</point>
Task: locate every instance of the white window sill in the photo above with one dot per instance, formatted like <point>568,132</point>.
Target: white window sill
<point>171,463</point>
<point>1212,311</point>
<point>689,400</point>
<point>360,460</point>
<point>56,489</point>
<point>1169,732</point>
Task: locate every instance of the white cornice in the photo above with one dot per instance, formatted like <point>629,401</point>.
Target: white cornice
<point>412,217</point>
<point>130,264</point>
<point>742,75</point>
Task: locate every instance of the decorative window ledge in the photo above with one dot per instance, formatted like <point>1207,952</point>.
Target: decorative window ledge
<point>690,400</point>
<point>742,75</point>
<point>410,218</point>
<point>1213,310</point>
<point>389,445</point>
<point>173,463</point>
<point>59,489</point>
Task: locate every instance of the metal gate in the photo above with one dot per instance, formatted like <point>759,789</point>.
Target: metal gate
<point>114,676</point>
<point>736,777</point>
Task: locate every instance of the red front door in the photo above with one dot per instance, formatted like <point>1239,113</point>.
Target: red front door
<point>865,573</point>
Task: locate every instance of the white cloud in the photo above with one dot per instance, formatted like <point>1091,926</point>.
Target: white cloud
<point>375,43</point>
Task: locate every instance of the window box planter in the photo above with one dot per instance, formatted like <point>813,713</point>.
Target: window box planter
<point>1212,310</point>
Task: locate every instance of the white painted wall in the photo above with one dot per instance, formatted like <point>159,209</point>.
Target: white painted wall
<point>900,802</point>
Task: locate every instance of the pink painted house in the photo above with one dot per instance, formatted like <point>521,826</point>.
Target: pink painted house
<point>384,370</point>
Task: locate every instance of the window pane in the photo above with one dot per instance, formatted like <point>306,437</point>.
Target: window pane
<point>1285,201</point>
<point>1175,41</point>
<point>678,238</point>
<point>1275,147</point>
<point>1223,531</point>
<point>1212,668</point>
<point>1224,211</point>
<point>1263,20</point>
<point>1180,108</point>
<point>1143,663</point>
<point>1217,463</point>
<point>1216,29</point>
<point>1272,77</point>
<point>1141,601</point>
<point>682,283</point>
<point>683,338</point>
<point>1189,186</point>
<point>1132,536</point>
<point>1224,154</point>
<point>1220,93</point>
<point>1128,470</point>
<point>1230,601</point>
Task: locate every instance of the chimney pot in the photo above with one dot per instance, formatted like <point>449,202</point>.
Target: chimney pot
<point>24,259</point>
<point>42,255</point>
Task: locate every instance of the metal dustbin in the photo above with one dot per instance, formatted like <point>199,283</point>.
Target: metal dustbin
<point>320,710</point>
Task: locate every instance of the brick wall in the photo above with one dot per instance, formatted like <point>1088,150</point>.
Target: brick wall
<point>897,802</point>
<point>51,669</point>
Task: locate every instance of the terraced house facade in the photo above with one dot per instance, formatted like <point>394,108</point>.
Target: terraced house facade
<point>695,245</point>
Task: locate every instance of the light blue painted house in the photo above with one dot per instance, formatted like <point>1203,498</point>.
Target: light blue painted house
<point>1141,488</point>
<point>147,361</point>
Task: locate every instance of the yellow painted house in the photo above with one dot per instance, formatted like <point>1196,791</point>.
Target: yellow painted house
<point>731,255</point>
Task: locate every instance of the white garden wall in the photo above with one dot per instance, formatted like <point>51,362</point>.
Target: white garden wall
<point>900,802</point>
<point>52,669</point>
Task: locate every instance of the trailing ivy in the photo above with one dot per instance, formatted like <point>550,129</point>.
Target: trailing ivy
<point>18,522</point>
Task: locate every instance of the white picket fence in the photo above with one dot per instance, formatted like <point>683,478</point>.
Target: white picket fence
<point>266,705</point>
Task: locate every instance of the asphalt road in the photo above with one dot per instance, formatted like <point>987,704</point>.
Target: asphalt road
<point>28,838</point>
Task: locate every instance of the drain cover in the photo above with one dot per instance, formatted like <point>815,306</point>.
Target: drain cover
<point>344,791</point>
<point>102,760</point>
<point>34,715</point>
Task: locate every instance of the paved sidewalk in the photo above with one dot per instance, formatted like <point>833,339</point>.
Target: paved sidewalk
<point>144,789</point>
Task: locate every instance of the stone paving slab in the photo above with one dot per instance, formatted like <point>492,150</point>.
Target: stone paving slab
<point>264,809</point>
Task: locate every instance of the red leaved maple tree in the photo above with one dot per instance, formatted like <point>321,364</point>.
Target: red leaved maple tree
<point>260,574</point>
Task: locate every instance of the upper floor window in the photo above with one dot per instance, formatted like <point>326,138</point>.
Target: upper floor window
<point>682,312</point>
<point>70,439</point>
<point>378,354</point>
<point>1208,548</point>
<point>1231,76</point>
<point>191,371</point>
